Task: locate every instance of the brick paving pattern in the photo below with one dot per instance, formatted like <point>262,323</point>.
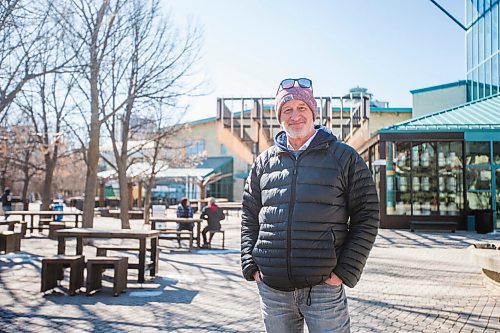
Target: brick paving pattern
<point>413,282</point>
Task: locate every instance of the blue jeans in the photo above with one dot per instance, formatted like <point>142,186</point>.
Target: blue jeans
<point>6,210</point>
<point>285,311</point>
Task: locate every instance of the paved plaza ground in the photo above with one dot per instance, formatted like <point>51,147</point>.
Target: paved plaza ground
<point>413,282</point>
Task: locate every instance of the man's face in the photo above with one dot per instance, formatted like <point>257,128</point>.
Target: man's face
<point>297,119</point>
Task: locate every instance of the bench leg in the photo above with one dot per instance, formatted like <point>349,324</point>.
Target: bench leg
<point>76,276</point>
<point>10,244</point>
<point>94,278</point>
<point>23,228</point>
<point>17,242</point>
<point>3,243</point>
<point>51,274</point>
<point>120,278</point>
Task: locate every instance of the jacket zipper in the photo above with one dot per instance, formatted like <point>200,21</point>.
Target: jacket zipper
<point>289,227</point>
<point>291,208</point>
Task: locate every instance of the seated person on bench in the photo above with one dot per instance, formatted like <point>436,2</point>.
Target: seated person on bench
<point>213,214</point>
<point>184,209</point>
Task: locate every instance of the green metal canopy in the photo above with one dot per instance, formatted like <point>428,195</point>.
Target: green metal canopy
<point>480,115</point>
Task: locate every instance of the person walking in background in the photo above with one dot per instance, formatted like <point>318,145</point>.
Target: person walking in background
<point>213,214</point>
<point>6,203</point>
<point>310,218</point>
<point>184,209</point>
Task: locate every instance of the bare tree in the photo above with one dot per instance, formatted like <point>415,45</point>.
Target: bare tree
<point>130,57</point>
<point>26,29</point>
<point>160,152</point>
<point>147,66</point>
<point>91,25</point>
<point>46,107</point>
<point>26,158</point>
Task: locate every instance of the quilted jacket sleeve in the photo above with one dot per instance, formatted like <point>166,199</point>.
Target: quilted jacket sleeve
<point>364,216</point>
<point>251,206</point>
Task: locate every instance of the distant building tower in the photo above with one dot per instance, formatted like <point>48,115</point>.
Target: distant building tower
<point>356,93</point>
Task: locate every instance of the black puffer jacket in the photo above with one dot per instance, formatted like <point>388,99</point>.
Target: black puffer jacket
<point>307,217</point>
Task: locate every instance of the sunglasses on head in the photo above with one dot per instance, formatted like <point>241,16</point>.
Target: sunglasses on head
<point>289,83</point>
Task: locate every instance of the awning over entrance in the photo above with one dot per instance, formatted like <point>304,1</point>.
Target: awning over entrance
<point>475,116</point>
<point>139,169</point>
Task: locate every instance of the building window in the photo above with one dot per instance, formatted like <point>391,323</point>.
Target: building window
<point>223,150</point>
<point>482,47</point>
<point>397,178</point>
<point>424,178</point>
<point>195,148</point>
<point>450,178</point>
<point>478,175</point>
<point>496,154</point>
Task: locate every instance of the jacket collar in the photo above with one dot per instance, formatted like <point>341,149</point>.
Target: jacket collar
<point>323,135</point>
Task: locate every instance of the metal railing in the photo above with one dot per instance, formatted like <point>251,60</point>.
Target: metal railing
<point>245,117</point>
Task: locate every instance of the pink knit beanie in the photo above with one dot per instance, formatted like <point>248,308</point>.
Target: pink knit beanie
<point>303,94</point>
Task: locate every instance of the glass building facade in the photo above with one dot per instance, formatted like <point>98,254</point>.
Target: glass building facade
<point>440,170</point>
<point>482,40</point>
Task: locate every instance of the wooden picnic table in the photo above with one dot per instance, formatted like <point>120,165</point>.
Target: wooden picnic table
<point>230,205</point>
<point>11,224</point>
<point>32,214</point>
<point>142,235</point>
<point>155,219</point>
<point>132,214</point>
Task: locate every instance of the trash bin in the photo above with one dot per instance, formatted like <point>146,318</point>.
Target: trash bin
<point>484,221</point>
<point>471,222</point>
<point>58,207</point>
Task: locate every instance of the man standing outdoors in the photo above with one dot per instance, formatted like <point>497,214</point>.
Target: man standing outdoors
<point>310,218</point>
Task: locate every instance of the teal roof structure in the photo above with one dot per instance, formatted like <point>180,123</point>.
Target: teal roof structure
<point>207,167</point>
<point>215,162</point>
<point>439,87</point>
<point>480,115</point>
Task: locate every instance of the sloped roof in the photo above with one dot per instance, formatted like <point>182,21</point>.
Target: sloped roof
<point>215,162</point>
<point>482,114</point>
<point>209,165</point>
<point>142,168</point>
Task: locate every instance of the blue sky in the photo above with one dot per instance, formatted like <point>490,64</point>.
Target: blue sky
<point>387,46</point>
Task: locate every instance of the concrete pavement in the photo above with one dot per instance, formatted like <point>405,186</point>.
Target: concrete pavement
<point>413,282</point>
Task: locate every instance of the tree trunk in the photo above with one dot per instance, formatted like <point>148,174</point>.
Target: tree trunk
<point>95,123</point>
<point>26,183</point>
<point>124,198</point>
<point>147,199</point>
<point>102,194</point>
<point>91,179</point>
<point>47,184</point>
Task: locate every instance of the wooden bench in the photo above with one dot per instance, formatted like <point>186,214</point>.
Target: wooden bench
<point>52,272</point>
<point>433,225</point>
<point>11,225</point>
<point>95,267</point>
<point>53,227</point>
<point>174,234</point>
<point>102,251</point>
<point>24,227</point>
<point>44,222</point>
<point>10,241</point>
